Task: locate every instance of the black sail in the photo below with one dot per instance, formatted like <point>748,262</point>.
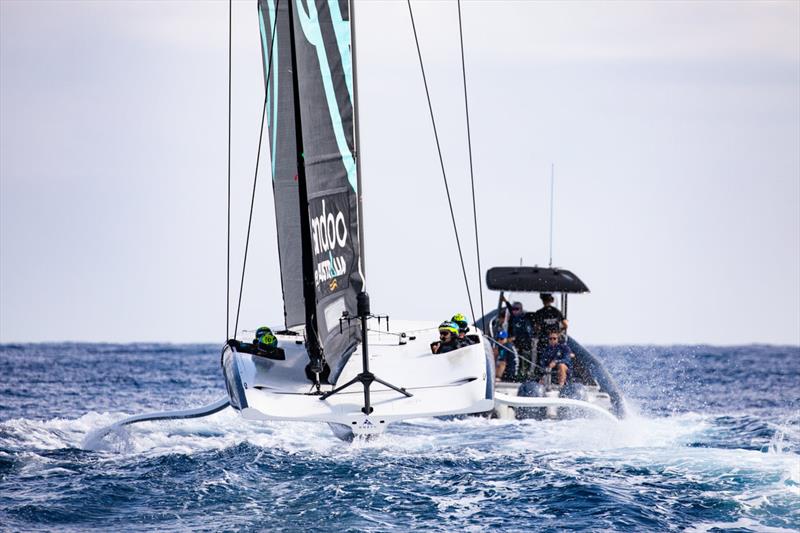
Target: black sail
<point>324,83</point>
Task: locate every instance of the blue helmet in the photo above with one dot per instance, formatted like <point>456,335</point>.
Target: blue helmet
<point>448,327</point>
<point>502,334</point>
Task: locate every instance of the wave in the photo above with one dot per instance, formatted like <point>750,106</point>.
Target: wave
<point>650,470</point>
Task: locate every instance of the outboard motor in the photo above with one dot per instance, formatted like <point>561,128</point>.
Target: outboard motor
<point>531,389</point>
<point>575,391</point>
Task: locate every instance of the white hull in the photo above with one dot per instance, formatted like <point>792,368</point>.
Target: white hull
<point>459,382</point>
<point>551,404</point>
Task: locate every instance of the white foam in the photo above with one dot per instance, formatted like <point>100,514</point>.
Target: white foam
<point>741,523</point>
<point>659,443</point>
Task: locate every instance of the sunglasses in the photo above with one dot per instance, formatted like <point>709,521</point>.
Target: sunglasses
<point>445,334</point>
<point>553,338</point>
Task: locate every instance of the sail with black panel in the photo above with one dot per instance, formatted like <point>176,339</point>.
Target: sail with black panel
<point>312,143</point>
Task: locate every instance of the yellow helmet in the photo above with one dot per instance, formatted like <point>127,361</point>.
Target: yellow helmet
<point>461,322</point>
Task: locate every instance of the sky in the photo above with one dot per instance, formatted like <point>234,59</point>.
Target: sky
<point>673,128</point>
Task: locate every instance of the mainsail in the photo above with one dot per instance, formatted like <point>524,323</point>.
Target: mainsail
<point>314,169</point>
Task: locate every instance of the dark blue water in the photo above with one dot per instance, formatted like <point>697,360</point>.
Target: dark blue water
<point>715,446</point>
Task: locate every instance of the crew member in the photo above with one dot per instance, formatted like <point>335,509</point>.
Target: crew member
<point>499,323</point>
<point>463,328</point>
<point>266,343</point>
<point>448,338</point>
<point>265,340</point>
<point>520,333</point>
<point>505,358</point>
<point>556,354</point>
<point>545,320</point>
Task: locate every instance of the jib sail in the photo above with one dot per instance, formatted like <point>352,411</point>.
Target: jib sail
<point>314,169</point>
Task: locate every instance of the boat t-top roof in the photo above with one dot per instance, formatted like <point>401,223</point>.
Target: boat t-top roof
<point>534,279</point>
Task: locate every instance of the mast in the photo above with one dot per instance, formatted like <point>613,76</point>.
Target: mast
<point>357,137</point>
<point>309,292</point>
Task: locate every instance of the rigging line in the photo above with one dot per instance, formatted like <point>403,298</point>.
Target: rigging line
<point>250,221</point>
<point>441,161</point>
<point>228,255</point>
<point>255,175</point>
<point>552,183</point>
<point>471,172</point>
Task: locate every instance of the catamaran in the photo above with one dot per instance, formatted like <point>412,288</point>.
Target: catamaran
<point>342,364</point>
<point>335,361</point>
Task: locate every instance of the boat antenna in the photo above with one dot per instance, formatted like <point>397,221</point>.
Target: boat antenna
<point>441,161</point>
<point>552,182</point>
<point>471,172</point>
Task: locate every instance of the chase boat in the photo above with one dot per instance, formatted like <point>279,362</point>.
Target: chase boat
<point>590,389</point>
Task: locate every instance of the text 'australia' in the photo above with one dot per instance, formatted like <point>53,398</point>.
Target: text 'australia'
<point>332,250</point>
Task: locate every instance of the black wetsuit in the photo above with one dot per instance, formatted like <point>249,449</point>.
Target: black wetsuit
<point>466,341</point>
<point>520,327</point>
<point>545,320</point>
<point>454,344</point>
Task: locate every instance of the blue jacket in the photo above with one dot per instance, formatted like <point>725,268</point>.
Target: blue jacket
<point>558,353</point>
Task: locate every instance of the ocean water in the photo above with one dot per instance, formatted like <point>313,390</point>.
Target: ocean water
<point>713,445</point>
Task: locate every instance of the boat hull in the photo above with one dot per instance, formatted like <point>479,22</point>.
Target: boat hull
<point>458,382</point>
<point>593,386</point>
<point>592,399</point>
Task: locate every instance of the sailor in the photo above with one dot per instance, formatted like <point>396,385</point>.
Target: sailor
<point>546,319</point>
<point>520,333</point>
<point>263,330</point>
<point>266,344</point>
<point>463,328</point>
<point>556,354</point>
<point>505,358</point>
<point>500,322</point>
<point>448,338</point>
